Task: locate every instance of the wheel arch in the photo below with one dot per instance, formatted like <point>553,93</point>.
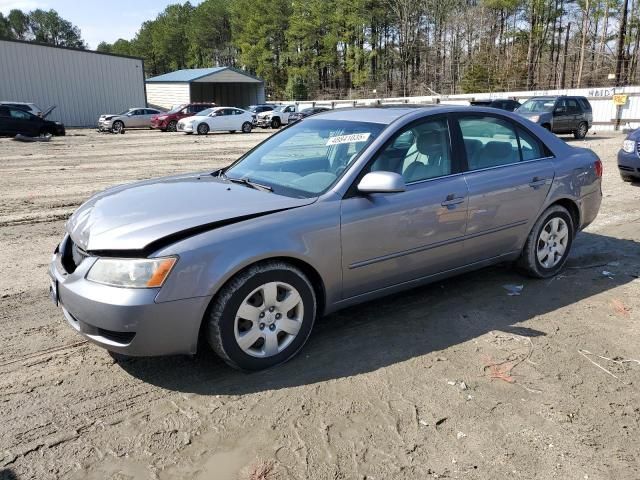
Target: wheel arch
<point>572,208</point>
<point>311,272</point>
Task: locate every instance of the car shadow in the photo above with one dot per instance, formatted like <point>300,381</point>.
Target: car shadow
<point>8,474</point>
<point>570,139</point>
<point>397,328</point>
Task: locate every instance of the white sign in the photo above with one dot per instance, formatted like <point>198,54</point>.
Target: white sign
<point>353,138</point>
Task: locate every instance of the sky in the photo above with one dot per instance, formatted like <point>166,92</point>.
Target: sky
<point>98,21</point>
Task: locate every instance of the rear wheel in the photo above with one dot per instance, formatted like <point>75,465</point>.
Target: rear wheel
<point>172,126</point>
<point>262,317</point>
<point>549,243</point>
<point>203,129</point>
<point>246,127</point>
<point>117,126</point>
<point>581,131</point>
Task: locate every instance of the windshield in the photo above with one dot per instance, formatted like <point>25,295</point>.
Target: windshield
<point>537,105</point>
<point>304,160</point>
<point>176,109</point>
<point>280,108</point>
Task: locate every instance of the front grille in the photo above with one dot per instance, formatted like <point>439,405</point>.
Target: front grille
<point>638,147</point>
<point>72,256</point>
<point>118,337</point>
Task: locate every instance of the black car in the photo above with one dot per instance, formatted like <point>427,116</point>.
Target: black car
<point>306,112</point>
<point>502,104</point>
<point>14,121</point>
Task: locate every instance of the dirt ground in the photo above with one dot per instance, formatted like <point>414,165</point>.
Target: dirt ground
<point>454,380</point>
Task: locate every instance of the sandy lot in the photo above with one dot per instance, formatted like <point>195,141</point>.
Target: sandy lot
<point>454,380</point>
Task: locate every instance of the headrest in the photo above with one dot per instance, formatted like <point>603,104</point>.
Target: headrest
<point>497,149</point>
<point>428,142</point>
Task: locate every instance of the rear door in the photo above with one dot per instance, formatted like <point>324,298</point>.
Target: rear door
<point>7,124</point>
<point>562,118</point>
<point>509,175</point>
<point>24,123</point>
<point>574,113</point>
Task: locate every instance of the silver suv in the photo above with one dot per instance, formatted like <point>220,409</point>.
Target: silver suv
<point>559,114</point>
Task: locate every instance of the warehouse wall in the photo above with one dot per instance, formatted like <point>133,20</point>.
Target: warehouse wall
<point>82,84</point>
<point>167,95</point>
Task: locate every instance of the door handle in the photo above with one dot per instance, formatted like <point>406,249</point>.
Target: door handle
<point>537,182</point>
<point>451,201</point>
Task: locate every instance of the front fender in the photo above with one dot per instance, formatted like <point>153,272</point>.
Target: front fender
<point>309,234</point>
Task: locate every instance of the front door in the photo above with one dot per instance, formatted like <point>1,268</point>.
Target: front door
<point>562,118</point>
<point>388,239</point>
<point>509,176</point>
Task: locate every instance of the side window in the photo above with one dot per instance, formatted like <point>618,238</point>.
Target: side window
<point>489,142</point>
<point>419,152</point>
<point>530,147</point>
<point>4,113</point>
<point>572,106</point>
<point>289,109</point>
<point>20,114</point>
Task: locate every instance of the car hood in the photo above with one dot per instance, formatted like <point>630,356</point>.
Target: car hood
<point>533,114</point>
<point>193,118</point>
<point>139,215</point>
<point>264,114</point>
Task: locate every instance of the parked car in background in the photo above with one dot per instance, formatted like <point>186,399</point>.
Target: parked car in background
<point>559,114</point>
<point>168,121</point>
<point>32,108</point>
<point>306,112</point>
<point>139,117</point>
<point>501,103</point>
<point>337,209</point>
<point>629,157</point>
<point>263,107</point>
<point>218,119</point>
<point>14,121</point>
<point>277,117</point>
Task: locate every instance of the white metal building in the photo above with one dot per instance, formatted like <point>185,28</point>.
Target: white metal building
<point>83,84</point>
<point>225,86</point>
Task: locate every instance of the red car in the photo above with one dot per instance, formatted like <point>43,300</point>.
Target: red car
<point>167,122</point>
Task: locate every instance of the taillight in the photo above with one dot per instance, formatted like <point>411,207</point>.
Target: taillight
<point>599,168</point>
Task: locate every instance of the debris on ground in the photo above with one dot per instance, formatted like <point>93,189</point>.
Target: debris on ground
<point>620,308</point>
<point>513,290</point>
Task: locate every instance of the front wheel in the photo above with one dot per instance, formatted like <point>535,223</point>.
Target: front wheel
<point>549,243</point>
<point>246,127</point>
<point>172,126</point>
<point>581,131</point>
<point>117,127</point>
<point>262,316</point>
<point>203,129</point>
<point>276,123</point>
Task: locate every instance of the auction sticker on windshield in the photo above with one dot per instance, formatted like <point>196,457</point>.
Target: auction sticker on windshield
<point>353,138</point>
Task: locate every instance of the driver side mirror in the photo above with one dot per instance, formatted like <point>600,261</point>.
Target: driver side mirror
<point>129,114</point>
<point>213,114</point>
<point>381,182</point>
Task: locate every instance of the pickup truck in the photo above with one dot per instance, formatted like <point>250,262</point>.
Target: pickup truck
<point>277,117</point>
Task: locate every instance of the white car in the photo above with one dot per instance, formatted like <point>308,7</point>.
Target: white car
<point>277,117</point>
<point>229,119</point>
<point>133,118</point>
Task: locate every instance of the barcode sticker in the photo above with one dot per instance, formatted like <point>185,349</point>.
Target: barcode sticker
<point>353,138</point>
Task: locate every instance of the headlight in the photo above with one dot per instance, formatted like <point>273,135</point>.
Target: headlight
<point>267,117</point>
<point>131,273</point>
<point>534,118</point>
<point>629,146</point>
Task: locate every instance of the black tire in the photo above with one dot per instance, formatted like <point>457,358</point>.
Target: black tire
<point>246,127</point>
<point>276,123</point>
<point>528,262</point>
<point>581,132</point>
<point>220,318</point>
<point>172,126</point>
<point>117,126</point>
<point>202,129</point>
<point>627,178</point>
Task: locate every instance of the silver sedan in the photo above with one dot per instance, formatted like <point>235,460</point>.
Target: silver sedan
<point>342,207</point>
<point>132,118</point>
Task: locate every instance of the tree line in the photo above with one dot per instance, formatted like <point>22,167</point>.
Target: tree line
<point>44,26</point>
<point>366,48</point>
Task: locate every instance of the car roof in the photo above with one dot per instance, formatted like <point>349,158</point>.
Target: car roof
<point>383,114</point>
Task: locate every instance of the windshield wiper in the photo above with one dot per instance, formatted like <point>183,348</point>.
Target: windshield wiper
<point>247,182</point>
